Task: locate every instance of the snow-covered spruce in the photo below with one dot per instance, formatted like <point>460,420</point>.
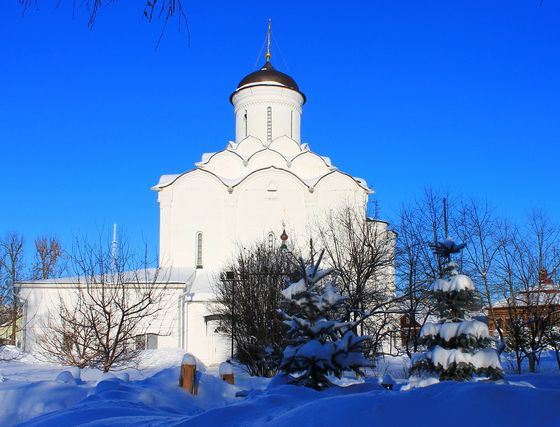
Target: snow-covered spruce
<point>458,347</point>
<point>319,344</point>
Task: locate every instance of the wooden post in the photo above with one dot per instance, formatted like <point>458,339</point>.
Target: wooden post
<point>387,382</point>
<point>226,373</point>
<point>187,378</point>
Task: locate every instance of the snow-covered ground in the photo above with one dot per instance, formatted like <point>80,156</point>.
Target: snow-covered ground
<point>37,394</point>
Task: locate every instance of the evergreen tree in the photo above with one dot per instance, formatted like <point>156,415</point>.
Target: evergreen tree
<point>319,344</point>
<point>459,347</point>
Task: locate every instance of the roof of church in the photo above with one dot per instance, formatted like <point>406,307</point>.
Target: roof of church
<point>268,73</point>
<point>199,282</point>
<point>246,158</point>
<point>268,76</point>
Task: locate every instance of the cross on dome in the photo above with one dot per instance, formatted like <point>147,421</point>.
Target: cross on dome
<point>267,75</point>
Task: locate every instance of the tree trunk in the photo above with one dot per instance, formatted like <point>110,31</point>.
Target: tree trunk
<point>532,362</point>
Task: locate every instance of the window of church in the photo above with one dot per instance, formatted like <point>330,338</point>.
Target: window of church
<point>292,124</point>
<point>271,239</point>
<point>146,342</point>
<point>245,122</point>
<point>269,124</point>
<point>199,249</point>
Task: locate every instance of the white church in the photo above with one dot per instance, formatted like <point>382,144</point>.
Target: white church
<point>264,181</point>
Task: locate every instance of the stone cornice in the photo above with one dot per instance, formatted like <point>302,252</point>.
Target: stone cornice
<point>270,101</point>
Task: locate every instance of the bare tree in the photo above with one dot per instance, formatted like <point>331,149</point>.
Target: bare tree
<point>361,251</point>
<point>48,254</point>
<point>70,339</point>
<point>552,336</point>
<point>247,296</point>
<point>165,10</point>
<point>527,257</point>
<point>12,271</point>
<point>117,300</point>
<point>479,228</point>
<point>421,223</point>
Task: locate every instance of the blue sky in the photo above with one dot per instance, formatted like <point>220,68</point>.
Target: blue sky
<point>463,96</point>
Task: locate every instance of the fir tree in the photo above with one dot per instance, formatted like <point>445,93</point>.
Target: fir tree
<point>459,347</point>
<point>319,344</point>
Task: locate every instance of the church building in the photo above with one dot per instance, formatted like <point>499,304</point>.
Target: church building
<point>263,182</point>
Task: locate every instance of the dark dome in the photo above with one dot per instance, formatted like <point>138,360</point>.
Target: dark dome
<point>269,74</point>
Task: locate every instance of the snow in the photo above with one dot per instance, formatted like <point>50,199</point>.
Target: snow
<point>331,296</point>
<point>440,285</point>
<point>165,180</point>
<point>313,349</point>
<point>30,395</point>
<point>429,329</point>
<point>457,283</point>
<point>474,328</point>
<point>448,330</point>
<point>66,377</point>
<point>188,359</point>
<point>225,369</point>
<point>444,357</point>
<point>418,382</point>
<point>388,379</point>
<point>460,282</point>
<point>487,358</point>
<point>294,289</point>
<point>10,352</point>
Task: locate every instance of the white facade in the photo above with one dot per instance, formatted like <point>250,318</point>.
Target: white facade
<point>263,181</point>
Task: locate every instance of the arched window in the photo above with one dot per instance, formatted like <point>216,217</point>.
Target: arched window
<point>271,239</point>
<point>269,124</point>
<point>291,123</point>
<point>245,122</point>
<point>199,249</point>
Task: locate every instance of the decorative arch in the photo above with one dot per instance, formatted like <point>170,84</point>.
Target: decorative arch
<point>257,172</point>
<point>312,153</point>
<point>190,174</point>
<point>226,163</point>
<point>348,177</point>
<point>309,165</point>
<point>286,145</point>
<point>207,160</point>
<point>248,146</point>
<point>253,160</point>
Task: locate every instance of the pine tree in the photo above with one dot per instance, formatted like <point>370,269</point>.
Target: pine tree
<point>319,344</point>
<point>459,347</point>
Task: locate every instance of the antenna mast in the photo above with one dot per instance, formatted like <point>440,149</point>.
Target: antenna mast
<point>114,249</point>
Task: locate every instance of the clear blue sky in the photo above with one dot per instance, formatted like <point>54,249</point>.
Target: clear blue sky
<point>462,96</point>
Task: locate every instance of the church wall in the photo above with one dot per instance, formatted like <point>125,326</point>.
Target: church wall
<point>229,165</point>
<point>309,165</point>
<point>42,302</point>
<point>202,338</point>
<point>337,189</point>
<point>266,158</point>
<point>197,206</point>
<point>287,146</point>
<point>267,199</point>
<point>260,203</point>
<point>259,191</point>
<point>248,146</point>
<point>252,116</point>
